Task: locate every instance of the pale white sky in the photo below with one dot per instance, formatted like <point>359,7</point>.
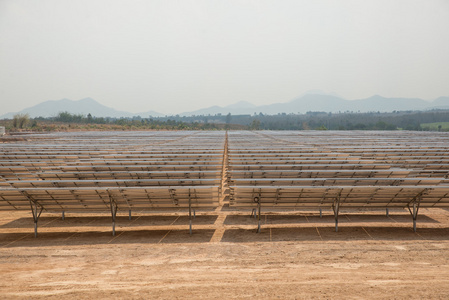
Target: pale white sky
<point>175,56</point>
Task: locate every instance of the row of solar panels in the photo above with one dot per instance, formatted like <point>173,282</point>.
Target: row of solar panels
<point>83,172</point>
<point>347,196</point>
<point>87,199</point>
<point>276,182</point>
<point>147,198</point>
<point>299,170</point>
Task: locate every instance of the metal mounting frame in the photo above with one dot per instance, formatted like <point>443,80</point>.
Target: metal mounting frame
<point>190,213</point>
<point>36,214</point>
<point>336,209</point>
<point>416,202</point>
<point>257,199</point>
<point>113,207</point>
<point>34,210</point>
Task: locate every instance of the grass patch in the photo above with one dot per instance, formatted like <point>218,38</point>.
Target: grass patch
<point>436,126</point>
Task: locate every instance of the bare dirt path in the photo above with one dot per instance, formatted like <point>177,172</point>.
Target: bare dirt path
<point>294,257</point>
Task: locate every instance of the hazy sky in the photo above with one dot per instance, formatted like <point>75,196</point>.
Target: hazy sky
<point>175,56</point>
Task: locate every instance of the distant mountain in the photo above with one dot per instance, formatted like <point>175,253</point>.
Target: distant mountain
<point>382,104</point>
<point>310,101</point>
<point>84,106</point>
<point>319,101</point>
<point>324,102</point>
<point>239,108</point>
<point>441,103</point>
<point>150,113</point>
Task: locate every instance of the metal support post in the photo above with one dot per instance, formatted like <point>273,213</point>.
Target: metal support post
<point>113,206</point>
<point>415,208</point>
<point>321,213</point>
<point>336,208</point>
<point>34,209</point>
<point>387,212</point>
<point>190,214</point>
<point>414,213</point>
<point>254,213</point>
<point>63,215</point>
<point>258,217</point>
<point>257,200</point>
<point>113,212</point>
<point>36,214</point>
<point>129,214</point>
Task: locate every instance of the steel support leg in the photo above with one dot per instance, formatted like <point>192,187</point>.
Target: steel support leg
<point>35,229</point>
<point>416,203</point>
<point>259,205</point>
<point>63,215</point>
<point>414,217</point>
<point>36,215</point>
<point>321,213</point>
<point>254,213</point>
<point>414,212</point>
<point>336,208</point>
<point>190,214</point>
<point>113,214</point>
<point>387,212</point>
<point>129,212</point>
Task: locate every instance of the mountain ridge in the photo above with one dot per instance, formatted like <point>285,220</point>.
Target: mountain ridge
<point>300,105</point>
<point>83,106</point>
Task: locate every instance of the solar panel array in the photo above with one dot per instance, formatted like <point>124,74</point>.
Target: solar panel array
<point>102,171</point>
<point>352,169</point>
<point>265,170</point>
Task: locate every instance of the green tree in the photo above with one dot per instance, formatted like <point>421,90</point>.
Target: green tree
<point>255,125</point>
<point>322,127</point>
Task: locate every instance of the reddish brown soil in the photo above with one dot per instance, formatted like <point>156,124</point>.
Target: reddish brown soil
<point>296,256</point>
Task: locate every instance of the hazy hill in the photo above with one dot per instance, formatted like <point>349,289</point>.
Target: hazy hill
<point>327,103</point>
<point>382,104</point>
<point>308,102</point>
<point>441,103</point>
<point>330,103</point>
<point>150,113</point>
<point>84,106</point>
<point>305,103</point>
<point>239,108</point>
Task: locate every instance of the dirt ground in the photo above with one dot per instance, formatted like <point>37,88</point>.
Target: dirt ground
<point>296,256</point>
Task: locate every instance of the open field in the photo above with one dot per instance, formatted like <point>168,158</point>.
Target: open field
<point>436,126</point>
<point>117,209</point>
<point>294,257</point>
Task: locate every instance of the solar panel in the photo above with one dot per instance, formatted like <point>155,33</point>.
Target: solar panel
<point>180,170</point>
<point>85,172</point>
<point>290,170</point>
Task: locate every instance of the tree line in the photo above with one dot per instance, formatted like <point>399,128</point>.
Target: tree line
<point>397,120</point>
<point>403,120</point>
